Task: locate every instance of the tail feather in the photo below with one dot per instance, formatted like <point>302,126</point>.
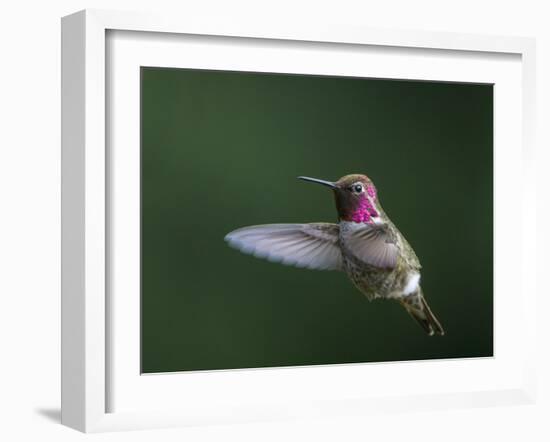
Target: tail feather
<point>419,309</point>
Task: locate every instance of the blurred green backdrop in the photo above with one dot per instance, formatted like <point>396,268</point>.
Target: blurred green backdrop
<point>222,150</point>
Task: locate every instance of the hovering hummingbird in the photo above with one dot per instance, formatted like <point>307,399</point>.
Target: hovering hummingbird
<point>365,244</point>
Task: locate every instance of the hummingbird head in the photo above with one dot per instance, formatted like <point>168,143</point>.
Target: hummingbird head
<point>355,196</point>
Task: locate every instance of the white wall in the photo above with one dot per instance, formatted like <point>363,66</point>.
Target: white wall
<point>30,221</point>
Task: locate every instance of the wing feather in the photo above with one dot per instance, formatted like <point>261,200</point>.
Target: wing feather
<point>374,245</point>
<point>313,245</point>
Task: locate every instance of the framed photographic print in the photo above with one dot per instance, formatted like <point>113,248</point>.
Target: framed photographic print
<point>203,282</point>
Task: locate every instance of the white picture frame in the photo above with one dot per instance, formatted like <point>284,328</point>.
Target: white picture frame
<point>87,356</point>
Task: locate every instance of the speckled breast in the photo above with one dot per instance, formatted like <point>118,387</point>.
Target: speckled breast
<point>373,281</point>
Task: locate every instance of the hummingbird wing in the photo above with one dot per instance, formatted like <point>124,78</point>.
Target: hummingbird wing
<point>313,245</point>
<point>374,245</point>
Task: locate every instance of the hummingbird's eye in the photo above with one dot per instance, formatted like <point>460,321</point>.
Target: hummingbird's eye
<point>357,188</point>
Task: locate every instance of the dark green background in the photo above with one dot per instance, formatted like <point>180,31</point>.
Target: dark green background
<point>221,150</point>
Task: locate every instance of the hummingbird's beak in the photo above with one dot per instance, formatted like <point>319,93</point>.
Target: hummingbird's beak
<point>315,180</point>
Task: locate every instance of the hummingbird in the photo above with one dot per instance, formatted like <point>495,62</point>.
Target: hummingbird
<point>364,244</point>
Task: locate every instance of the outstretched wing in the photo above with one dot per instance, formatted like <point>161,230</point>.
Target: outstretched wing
<point>374,245</point>
<point>313,246</point>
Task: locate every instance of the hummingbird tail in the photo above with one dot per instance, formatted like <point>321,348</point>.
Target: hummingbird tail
<point>419,309</point>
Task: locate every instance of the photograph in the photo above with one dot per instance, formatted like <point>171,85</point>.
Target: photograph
<point>301,220</point>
